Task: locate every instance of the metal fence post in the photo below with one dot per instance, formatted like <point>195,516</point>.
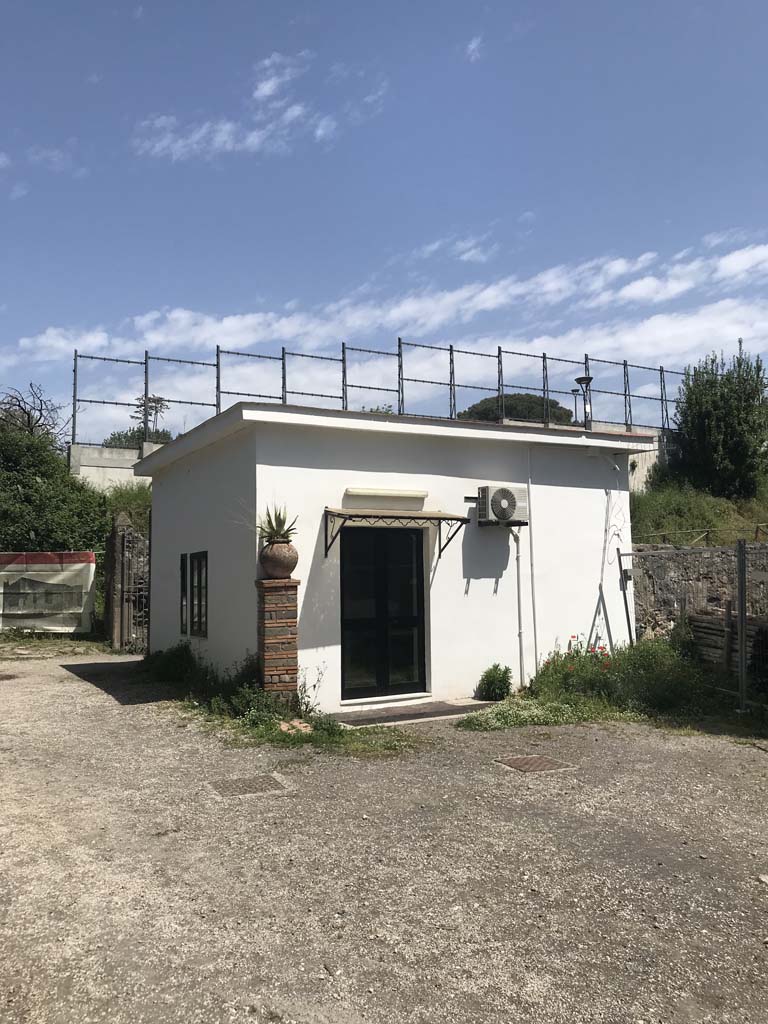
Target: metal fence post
<point>500,382</point>
<point>343,375</point>
<point>588,410</point>
<point>146,395</point>
<point>284,386</point>
<point>741,619</point>
<point>545,386</point>
<point>400,386</point>
<point>74,400</point>
<point>451,385</point>
<point>663,398</point>
<point>627,399</point>
<point>218,379</point>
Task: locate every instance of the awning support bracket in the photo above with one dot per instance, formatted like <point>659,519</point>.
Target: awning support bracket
<point>335,519</point>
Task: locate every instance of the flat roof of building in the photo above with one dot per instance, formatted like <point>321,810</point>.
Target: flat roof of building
<point>245,415</point>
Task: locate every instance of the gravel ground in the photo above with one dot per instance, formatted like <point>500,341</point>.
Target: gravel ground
<point>435,887</point>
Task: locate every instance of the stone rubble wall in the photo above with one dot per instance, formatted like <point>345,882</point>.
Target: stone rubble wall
<point>702,580</point>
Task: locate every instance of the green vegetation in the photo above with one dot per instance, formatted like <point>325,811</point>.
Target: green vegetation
<point>134,498</point>
<point>238,700</point>
<point>682,513</point>
<point>517,407</point>
<point>16,644</point>
<point>656,680</point>
<point>274,528</point>
<point>134,437</point>
<point>42,507</point>
<point>495,683</point>
<point>722,426</point>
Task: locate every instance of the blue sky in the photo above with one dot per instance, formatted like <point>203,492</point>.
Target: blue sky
<point>558,176</point>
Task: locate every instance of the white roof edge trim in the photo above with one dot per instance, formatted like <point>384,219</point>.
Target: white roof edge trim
<point>204,434</point>
<point>245,414</point>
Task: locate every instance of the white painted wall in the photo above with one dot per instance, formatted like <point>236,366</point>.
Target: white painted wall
<point>579,513</point>
<point>206,502</point>
<point>471,592</point>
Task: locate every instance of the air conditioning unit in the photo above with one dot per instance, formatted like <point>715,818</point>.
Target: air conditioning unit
<point>502,506</point>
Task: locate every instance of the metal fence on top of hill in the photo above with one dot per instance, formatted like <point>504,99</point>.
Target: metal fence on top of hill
<point>590,391</point>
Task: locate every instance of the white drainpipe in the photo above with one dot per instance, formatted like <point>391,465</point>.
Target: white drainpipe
<point>533,568</point>
<point>520,645</point>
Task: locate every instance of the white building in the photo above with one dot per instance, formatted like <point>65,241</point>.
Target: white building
<point>383,613</point>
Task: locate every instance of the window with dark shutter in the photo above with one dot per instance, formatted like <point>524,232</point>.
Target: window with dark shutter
<point>198,572</point>
<point>183,593</point>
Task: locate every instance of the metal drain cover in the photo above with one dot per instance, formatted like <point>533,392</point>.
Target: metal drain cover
<point>533,763</point>
<point>254,785</point>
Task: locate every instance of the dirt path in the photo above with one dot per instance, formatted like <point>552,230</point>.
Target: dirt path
<point>438,887</point>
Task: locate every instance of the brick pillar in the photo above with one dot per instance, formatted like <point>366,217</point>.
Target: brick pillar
<point>278,635</point>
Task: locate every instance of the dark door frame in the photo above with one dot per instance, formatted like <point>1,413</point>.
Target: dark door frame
<point>382,620</point>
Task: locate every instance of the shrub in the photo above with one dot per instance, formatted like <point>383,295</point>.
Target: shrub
<point>654,675</point>
<point>135,498</point>
<point>42,507</point>
<point>495,683</point>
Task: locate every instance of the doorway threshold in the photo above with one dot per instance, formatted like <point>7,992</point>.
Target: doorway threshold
<point>424,711</point>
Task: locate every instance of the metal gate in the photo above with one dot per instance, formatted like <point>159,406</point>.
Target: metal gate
<point>128,567</point>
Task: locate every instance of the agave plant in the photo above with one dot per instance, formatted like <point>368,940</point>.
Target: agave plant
<point>274,528</point>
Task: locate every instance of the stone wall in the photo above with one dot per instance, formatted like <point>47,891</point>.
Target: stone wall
<point>703,580</point>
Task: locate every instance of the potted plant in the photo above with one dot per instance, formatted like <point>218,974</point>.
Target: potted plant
<point>278,556</point>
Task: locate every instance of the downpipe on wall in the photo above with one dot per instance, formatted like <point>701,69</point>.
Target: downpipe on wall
<point>520,645</point>
<point>533,569</point>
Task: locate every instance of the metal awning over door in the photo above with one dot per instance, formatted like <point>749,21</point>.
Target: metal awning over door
<point>336,518</point>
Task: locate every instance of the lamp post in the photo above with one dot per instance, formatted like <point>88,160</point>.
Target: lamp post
<point>584,383</point>
<point>575,392</point>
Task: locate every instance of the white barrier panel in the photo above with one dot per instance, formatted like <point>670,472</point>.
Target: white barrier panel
<point>47,591</point>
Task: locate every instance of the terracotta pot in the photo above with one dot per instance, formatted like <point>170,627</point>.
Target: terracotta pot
<point>278,560</point>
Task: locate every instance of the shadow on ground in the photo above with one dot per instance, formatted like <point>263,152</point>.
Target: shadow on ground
<point>125,683</point>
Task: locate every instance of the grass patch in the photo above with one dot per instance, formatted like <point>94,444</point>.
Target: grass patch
<point>17,643</point>
<point>656,681</point>
<point>523,709</point>
<point>236,702</point>
<point>676,509</point>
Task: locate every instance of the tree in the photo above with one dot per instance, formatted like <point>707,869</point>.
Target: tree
<point>42,507</point>
<point>134,436</point>
<point>32,413</point>
<point>157,407</point>
<point>722,426</point>
<point>517,407</point>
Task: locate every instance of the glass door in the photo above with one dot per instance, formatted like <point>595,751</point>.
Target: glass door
<point>382,612</point>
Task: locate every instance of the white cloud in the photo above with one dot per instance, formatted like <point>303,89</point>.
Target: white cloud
<point>5,161</point>
<point>526,217</point>
<point>275,72</point>
<point>606,306</point>
<point>474,49</point>
<point>415,313</point>
<point>475,250</point>
<point>274,121</point>
<point>326,129</point>
<point>60,161</point>
<point>742,263</point>
<point>732,236</point>
<point>19,190</point>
